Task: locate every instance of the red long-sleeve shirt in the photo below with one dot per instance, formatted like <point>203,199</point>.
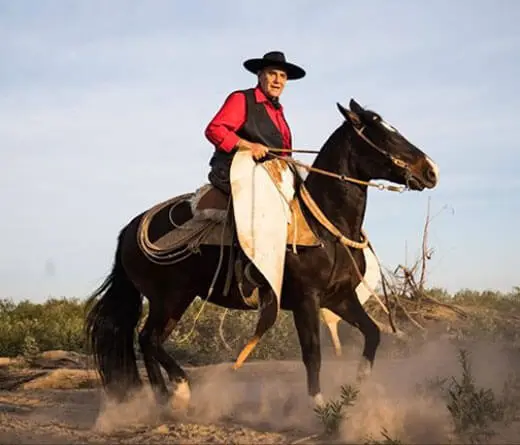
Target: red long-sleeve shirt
<point>231,116</point>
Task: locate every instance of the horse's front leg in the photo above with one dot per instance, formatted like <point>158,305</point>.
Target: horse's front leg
<point>307,322</point>
<point>353,312</point>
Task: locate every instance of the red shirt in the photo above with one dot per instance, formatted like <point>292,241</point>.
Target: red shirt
<point>231,116</point>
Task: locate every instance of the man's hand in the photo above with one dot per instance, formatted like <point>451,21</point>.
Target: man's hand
<point>258,151</point>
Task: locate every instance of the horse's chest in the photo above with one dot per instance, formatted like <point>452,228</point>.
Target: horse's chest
<point>347,269</point>
<point>311,266</point>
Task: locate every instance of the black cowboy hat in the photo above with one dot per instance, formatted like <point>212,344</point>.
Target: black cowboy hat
<point>276,59</point>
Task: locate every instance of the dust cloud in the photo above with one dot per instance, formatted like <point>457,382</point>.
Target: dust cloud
<point>271,396</point>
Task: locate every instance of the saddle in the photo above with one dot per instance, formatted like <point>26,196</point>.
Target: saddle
<point>210,204</point>
<point>205,218</point>
<point>211,222</point>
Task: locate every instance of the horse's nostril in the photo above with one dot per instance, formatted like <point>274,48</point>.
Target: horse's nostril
<point>430,174</point>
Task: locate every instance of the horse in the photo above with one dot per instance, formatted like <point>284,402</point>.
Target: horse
<point>363,148</point>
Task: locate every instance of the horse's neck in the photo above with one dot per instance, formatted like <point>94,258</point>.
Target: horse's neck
<point>343,203</point>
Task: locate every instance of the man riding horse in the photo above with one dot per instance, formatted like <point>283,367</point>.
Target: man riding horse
<point>252,120</point>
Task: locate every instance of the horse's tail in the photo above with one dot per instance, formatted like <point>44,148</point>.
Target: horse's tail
<point>110,328</point>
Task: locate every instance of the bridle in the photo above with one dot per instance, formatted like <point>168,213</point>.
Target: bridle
<point>396,161</point>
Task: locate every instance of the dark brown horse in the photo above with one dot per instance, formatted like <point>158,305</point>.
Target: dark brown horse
<point>365,147</point>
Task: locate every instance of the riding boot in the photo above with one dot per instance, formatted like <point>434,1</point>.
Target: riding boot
<point>219,173</point>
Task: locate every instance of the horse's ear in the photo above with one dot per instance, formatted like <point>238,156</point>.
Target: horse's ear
<point>350,116</point>
<point>355,107</point>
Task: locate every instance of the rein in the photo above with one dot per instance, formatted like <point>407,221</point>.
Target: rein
<point>344,178</point>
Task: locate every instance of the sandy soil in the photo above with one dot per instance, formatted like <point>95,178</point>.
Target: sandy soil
<point>58,402</point>
<point>57,406</point>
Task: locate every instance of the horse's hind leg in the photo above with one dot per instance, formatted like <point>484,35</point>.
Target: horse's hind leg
<point>162,319</point>
<point>181,393</point>
<point>352,311</point>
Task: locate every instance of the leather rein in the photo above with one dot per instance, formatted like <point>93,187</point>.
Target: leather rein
<point>392,188</point>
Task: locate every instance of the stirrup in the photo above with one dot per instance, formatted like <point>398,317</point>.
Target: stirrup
<point>247,286</point>
<point>256,281</point>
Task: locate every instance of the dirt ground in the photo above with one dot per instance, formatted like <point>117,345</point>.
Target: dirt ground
<point>57,401</point>
<point>63,405</point>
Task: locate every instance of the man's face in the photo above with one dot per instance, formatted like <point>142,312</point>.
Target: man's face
<point>272,80</point>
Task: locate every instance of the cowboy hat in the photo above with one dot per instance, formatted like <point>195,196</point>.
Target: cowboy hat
<point>276,59</point>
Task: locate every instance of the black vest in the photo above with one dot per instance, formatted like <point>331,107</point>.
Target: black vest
<point>258,126</point>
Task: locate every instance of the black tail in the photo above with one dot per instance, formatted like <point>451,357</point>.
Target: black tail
<point>110,327</point>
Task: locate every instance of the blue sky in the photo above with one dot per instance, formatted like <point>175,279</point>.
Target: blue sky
<point>103,107</point>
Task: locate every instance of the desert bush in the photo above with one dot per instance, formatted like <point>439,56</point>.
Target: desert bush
<point>333,413</point>
<point>476,412</point>
<point>198,339</point>
<point>503,301</point>
<point>26,328</point>
<point>494,316</point>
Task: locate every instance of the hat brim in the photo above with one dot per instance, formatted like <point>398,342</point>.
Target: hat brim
<point>293,71</point>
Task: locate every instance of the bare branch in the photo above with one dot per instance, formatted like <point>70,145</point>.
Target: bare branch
<point>425,253</point>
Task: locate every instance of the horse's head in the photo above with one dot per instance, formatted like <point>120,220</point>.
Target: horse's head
<point>387,154</point>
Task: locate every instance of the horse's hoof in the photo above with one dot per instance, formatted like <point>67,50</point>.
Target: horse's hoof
<point>318,400</point>
<point>364,370</point>
<point>181,396</point>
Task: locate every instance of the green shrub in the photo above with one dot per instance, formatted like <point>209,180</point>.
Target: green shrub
<point>58,324</point>
<point>474,410</point>
<point>29,327</point>
<point>333,413</point>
